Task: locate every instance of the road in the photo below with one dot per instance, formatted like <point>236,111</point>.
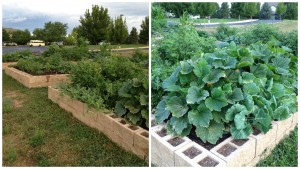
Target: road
<point>41,49</point>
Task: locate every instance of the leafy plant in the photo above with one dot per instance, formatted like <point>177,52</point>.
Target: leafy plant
<point>224,31</point>
<point>133,101</point>
<point>234,90</point>
<point>15,56</point>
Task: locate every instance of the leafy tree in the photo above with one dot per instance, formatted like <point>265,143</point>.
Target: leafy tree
<point>133,38</point>
<point>281,9</point>
<point>224,10</point>
<point>70,40</point>
<point>250,9</point>
<point>121,31</point>
<point>5,35</point>
<point>237,9</point>
<point>39,34</point>
<point>111,32</point>
<point>55,31</point>
<point>291,11</point>
<point>158,20</point>
<point>177,8</point>
<point>94,24</point>
<point>21,37</point>
<point>144,32</point>
<point>265,12</point>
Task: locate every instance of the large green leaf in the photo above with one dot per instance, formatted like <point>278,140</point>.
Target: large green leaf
<point>240,121</point>
<point>251,88</point>
<point>248,102</point>
<point>236,95</point>
<point>210,134</point>
<point>241,133</point>
<point>195,95</point>
<point>171,81</point>
<point>281,113</point>
<point>179,124</point>
<point>245,62</point>
<point>263,118</point>
<point>227,63</point>
<point>214,76</point>
<point>278,90</point>
<point>281,64</point>
<point>235,109</point>
<point>201,68</point>
<point>259,70</point>
<point>132,106</point>
<point>201,116</point>
<point>177,106</point>
<point>247,77</point>
<point>217,100</point>
<point>186,67</point>
<point>232,75</point>
<point>161,113</point>
<point>120,109</point>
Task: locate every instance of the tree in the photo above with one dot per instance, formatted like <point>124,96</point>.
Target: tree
<point>265,12</point>
<point>177,8</point>
<point>21,37</point>
<point>70,40</point>
<point>111,32</point>
<point>39,34</point>
<point>120,30</point>
<point>144,32</point>
<point>237,9</point>
<point>5,36</point>
<point>281,9</point>
<point>55,31</point>
<point>291,11</point>
<point>94,24</point>
<point>224,10</point>
<point>133,37</point>
<point>250,9</point>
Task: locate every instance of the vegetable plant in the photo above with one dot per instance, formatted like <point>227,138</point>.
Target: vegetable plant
<point>15,56</point>
<point>232,90</point>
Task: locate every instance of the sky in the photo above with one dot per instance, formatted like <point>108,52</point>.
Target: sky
<point>31,14</point>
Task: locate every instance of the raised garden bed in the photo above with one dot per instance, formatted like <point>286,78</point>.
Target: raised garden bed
<point>6,64</point>
<point>130,137</point>
<point>31,81</point>
<point>229,153</point>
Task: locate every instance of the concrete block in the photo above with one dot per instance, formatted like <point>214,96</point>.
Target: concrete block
<point>295,119</point>
<point>194,155</point>
<point>283,126</point>
<point>141,143</point>
<point>264,140</point>
<point>7,64</point>
<point>236,153</point>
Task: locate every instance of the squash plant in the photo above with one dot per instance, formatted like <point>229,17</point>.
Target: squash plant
<point>133,101</point>
<point>231,90</point>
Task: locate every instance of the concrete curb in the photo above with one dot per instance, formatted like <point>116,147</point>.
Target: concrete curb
<point>31,81</point>
<point>6,64</point>
<point>130,137</point>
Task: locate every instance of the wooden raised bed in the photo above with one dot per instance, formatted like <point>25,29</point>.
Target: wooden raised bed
<point>32,81</point>
<point>229,153</point>
<point>130,137</point>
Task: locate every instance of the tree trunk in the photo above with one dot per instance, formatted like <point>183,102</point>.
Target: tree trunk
<point>208,19</point>
<point>239,17</point>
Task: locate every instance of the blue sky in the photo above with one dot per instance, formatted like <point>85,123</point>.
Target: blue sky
<point>31,14</point>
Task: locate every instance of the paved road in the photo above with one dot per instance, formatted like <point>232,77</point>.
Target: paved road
<point>43,48</point>
<point>243,23</point>
<point>9,49</point>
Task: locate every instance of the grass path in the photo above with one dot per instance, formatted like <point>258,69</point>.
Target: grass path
<point>36,132</point>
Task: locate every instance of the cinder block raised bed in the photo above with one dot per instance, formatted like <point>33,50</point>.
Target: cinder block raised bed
<point>31,81</point>
<point>130,137</point>
<point>6,64</point>
<point>229,153</point>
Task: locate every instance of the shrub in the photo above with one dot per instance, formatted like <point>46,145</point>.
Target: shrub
<point>224,31</point>
<point>231,90</point>
<point>15,56</point>
<point>290,40</point>
<point>69,54</point>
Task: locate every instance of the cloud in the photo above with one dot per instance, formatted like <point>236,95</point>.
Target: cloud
<point>31,14</point>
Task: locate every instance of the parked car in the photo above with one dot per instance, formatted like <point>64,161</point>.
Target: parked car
<point>61,43</point>
<point>9,44</point>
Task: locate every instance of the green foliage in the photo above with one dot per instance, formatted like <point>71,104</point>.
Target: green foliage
<point>237,9</point>
<point>94,24</point>
<point>133,37</point>
<point>133,101</point>
<point>39,66</point>
<point>158,18</point>
<point>21,37</point>
<point>224,11</point>
<point>291,11</point>
<point>265,12</point>
<point>68,54</point>
<point>249,87</point>
<point>144,32</point>
<point>139,57</point>
<point>37,139</point>
<point>5,35</point>
<point>54,31</point>
<point>281,9</point>
<point>290,40</point>
<point>250,9</point>
<point>224,31</point>
<point>15,56</point>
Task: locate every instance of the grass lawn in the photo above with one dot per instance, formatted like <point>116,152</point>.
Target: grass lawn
<point>285,26</point>
<point>285,153</point>
<point>213,20</point>
<point>37,132</point>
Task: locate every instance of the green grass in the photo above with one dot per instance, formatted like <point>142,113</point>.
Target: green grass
<point>285,153</point>
<point>285,26</point>
<point>40,133</point>
<point>213,20</point>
